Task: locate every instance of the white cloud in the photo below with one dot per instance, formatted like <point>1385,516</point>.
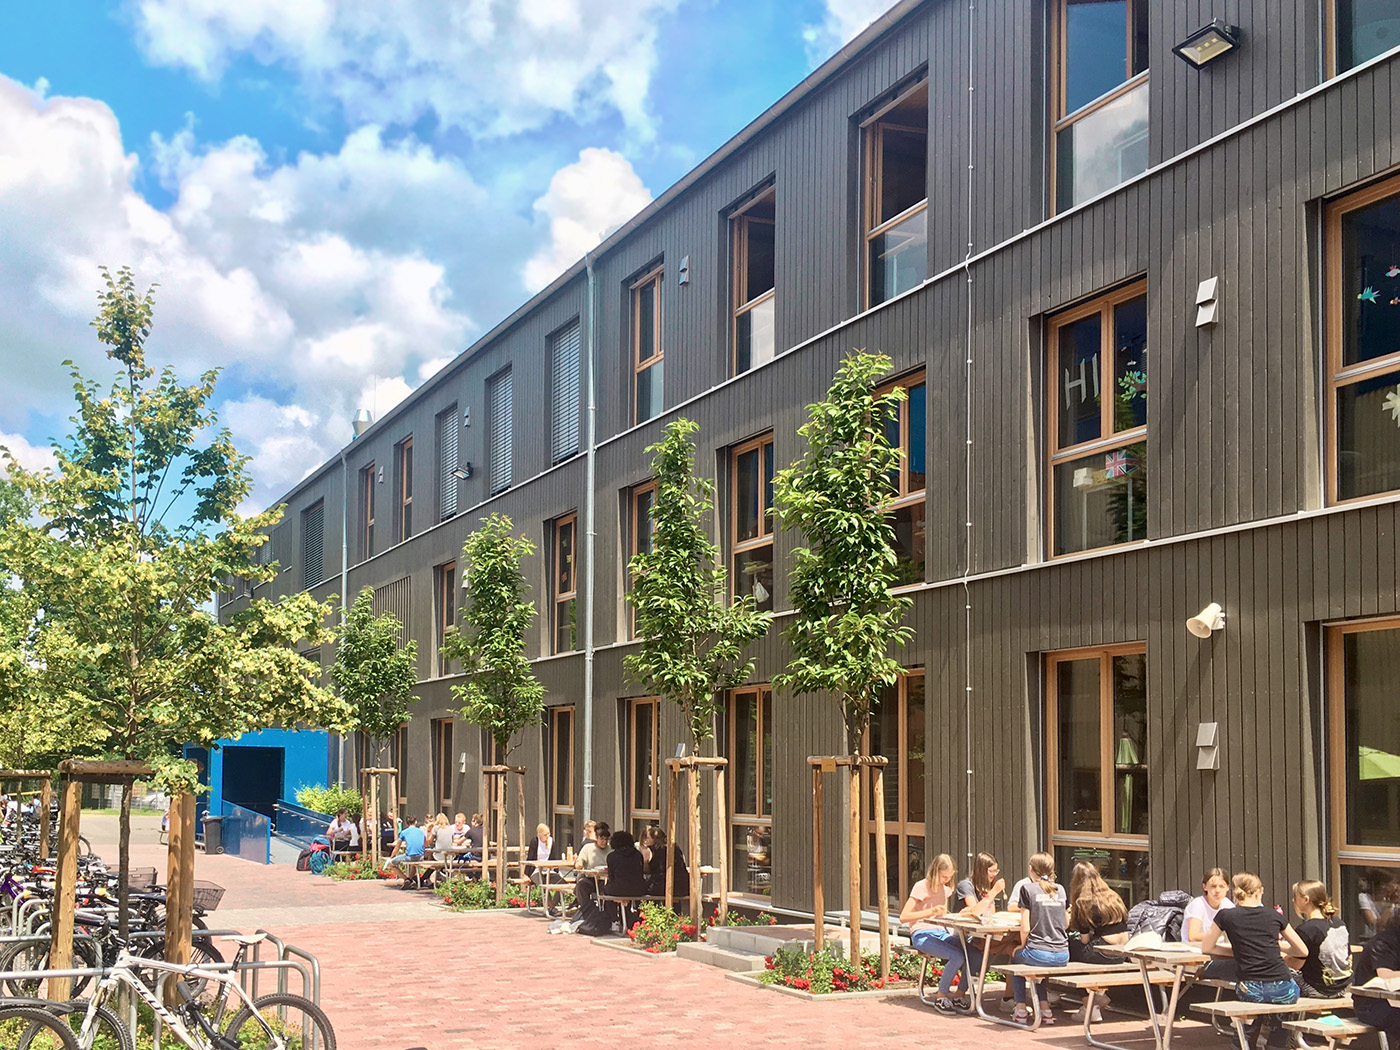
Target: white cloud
<point>30,457</point>
<point>490,67</point>
<point>842,22</point>
<point>585,201</point>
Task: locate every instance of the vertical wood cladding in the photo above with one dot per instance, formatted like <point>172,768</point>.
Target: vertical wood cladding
<point>1233,434</point>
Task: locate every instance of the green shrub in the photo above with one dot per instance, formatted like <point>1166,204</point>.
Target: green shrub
<point>661,929</point>
<point>462,894</point>
<point>831,970</point>
<point>329,800</point>
<point>349,870</point>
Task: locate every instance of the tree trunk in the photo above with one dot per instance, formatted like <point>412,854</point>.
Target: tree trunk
<point>695,886</point>
<point>124,863</point>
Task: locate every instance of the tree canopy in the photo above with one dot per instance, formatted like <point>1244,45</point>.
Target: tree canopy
<point>692,637</point>
<point>373,674</point>
<point>847,620</point>
<point>501,693</point>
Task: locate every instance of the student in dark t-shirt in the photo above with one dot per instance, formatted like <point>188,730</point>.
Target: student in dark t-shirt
<point>1326,972</point>
<point>1255,933</point>
<point>1381,958</point>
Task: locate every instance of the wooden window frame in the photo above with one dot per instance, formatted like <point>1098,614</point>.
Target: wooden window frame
<point>636,813</point>
<point>763,818</point>
<point>906,496</point>
<point>1338,375</point>
<point>561,764</point>
<point>1108,797</point>
<point>654,276</point>
<point>1108,439</point>
<point>403,453</point>
<point>872,133</point>
<point>442,764</point>
<point>368,480</point>
<point>634,545</point>
<point>444,601</point>
<point>764,537</point>
<point>739,222</point>
<point>560,597</point>
<point>903,829</point>
<point>1343,853</point>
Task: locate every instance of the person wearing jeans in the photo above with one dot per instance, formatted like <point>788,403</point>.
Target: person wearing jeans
<point>929,899</point>
<point>1044,937</point>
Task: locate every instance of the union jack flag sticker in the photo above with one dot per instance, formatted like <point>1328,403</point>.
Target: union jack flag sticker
<point>1119,464</point>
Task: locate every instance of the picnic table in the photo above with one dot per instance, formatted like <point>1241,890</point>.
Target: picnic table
<point>1240,1013</point>
<point>986,928</point>
<point>1176,958</point>
<point>1095,984</point>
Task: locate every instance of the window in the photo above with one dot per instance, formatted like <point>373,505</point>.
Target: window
<point>750,740</point>
<point>313,537</point>
<point>1363,343</point>
<point>443,762</point>
<point>405,486</point>
<point>647,354</point>
<point>368,480</point>
<point>897,731</point>
<point>1098,439</point>
<point>445,603</point>
<point>754,282</point>
<point>1362,660</point>
<point>896,197</point>
<point>498,430</point>
<point>447,429</point>
<point>1096,735</point>
<point>907,430</point>
<point>564,392</point>
<point>751,520</point>
<point>1100,113</point>
<point>643,499</point>
<point>1361,30</point>
<point>565,585</point>
<point>561,772</point>
<point>643,764</point>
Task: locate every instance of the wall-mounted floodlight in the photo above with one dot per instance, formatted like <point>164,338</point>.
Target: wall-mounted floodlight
<point>1207,621</point>
<point>362,422</point>
<point>463,472</point>
<point>1208,43</point>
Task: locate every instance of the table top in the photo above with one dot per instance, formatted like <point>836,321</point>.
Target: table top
<point>555,865</point>
<point>997,922</point>
<point>1375,991</point>
<point>1180,955</point>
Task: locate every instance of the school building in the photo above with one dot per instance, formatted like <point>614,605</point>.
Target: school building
<point>1138,267</point>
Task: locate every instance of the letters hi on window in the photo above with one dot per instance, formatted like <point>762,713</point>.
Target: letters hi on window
<point>565,584</point>
<point>1363,343</point>
<point>753,282</point>
<point>896,197</point>
<point>648,361</point>
<point>1097,379</point>
<point>751,520</point>
<point>1100,92</point>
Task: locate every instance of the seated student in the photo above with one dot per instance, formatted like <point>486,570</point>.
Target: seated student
<point>929,898</point>
<point>1044,936</point>
<point>476,836</point>
<point>1097,914</point>
<point>1326,972</point>
<point>1200,913</point>
<point>593,856</point>
<point>653,847</point>
<point>343,832</point>
<point>459,830</point>
<point>1380,958</point>
<point>409,846</point>
<point>977,894</point>
<point>590,834</point>
<point>625,877</point>
<point>1256,934</point>
<point>387,833</point>
<point>544,846</point>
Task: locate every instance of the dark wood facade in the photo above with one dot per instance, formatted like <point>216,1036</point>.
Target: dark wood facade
<point>1243,155</point>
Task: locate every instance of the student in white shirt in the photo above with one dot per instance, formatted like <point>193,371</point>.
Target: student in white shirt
<point>1200,913</point>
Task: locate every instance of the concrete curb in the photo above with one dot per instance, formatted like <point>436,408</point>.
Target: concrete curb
<point>830,997</point>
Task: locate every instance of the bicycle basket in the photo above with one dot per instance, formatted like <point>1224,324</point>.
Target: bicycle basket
<point>207,894</point>
<point>141,879</point>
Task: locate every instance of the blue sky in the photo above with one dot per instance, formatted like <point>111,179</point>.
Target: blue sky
<point>337,196</point>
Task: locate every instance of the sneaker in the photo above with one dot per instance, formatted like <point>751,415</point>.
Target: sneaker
<point>1047,1017</point>
<point>944,1005</point>
<point>1096,1015</point>
<point>1022,1014</point>
<point>963,1006</point>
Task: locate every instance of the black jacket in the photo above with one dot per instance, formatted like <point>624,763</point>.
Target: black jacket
<point>656,874</point>
<point>625,877</point>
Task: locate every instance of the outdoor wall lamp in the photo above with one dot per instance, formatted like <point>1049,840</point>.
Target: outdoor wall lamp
<point>362,421</point>
<point>463,472</point>
<point>1208,43</point>
<point>1207,621</point>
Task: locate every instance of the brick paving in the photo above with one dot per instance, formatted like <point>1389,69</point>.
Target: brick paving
<point>399,972</point>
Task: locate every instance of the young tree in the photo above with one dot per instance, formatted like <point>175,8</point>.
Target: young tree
<point>373,674</point>
<point>501,693</point>
<point>123,548</point>
<point>847,619</point>
<point>692,636</point>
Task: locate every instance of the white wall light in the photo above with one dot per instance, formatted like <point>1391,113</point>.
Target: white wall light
<point>1208,302</point>
<point>1207,621</point>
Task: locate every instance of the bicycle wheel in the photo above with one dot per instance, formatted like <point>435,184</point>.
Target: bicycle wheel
<point>30,1028</point>
<point>282,1020</point>
<point>33,954</point>
<point>111,1033</point>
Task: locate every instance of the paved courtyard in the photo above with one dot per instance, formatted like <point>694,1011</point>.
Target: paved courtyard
<point>400,972</point>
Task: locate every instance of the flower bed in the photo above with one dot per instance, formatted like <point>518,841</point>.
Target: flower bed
<point>463,894</point>
<point>661,929</point>
<point>737,918</point>
<point>831,971</point>
<point>349,870</point>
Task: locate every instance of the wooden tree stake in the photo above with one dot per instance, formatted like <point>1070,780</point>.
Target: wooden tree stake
<point>45,801</point>
<point>674,775</point>
<point>853,868</point>
<point>881,870</point>
<point>818,889</point>
<point>720,803</point>
<point>65,889</point>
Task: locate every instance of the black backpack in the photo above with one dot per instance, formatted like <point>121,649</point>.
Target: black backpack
<point>1162,916</point>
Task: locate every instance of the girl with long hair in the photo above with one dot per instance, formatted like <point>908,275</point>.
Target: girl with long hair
<point>1097,914</point>
<point>931,897</point>
<point>1044,939</point>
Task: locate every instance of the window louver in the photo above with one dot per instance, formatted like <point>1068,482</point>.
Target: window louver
<point>498,441</point>
<point>564,392</point>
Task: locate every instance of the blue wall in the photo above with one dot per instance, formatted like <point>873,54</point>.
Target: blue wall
<point>305,760</point>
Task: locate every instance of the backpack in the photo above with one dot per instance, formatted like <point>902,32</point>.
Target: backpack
<point>1162,916</point>
<point>315,857</point>
<point>1335,955</point>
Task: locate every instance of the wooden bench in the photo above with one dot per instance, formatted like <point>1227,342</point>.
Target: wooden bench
<point>1035,974</point>
<point>1096,984</point>
<point>1335,1030</point>
<point>416,869</point>
<point>1240,1012</point>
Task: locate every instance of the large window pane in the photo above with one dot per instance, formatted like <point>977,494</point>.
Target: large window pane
<point>752,850</point>
<point>643,768</point>
<point>899,258</point>
<point>563,751</point>
<point>754,336</point>
<point>1077,692</point>
<point>1371,665</point>
<point>649,384</point>
<point>1371,281</point>
<point>1370,899</point>
<point>1096,49</point>
<point>1130,743</point>
<point>744,761</point>
<point>1078,387</point>
<point>758,267</point>
<point>753,574</point>
<point>917,407</point>
<point>915,737</point>
<point>1368,436</point>
<point>1365,29</point>
<point>646,321</point>
<point>1124,870</point>
<point>746,496</point>
<point>1130,364</point>
<point>1101,499</point>
<point>566,626</point>
<point>1102,149</point>
<point>904,175</point>
<point>908,524</point>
